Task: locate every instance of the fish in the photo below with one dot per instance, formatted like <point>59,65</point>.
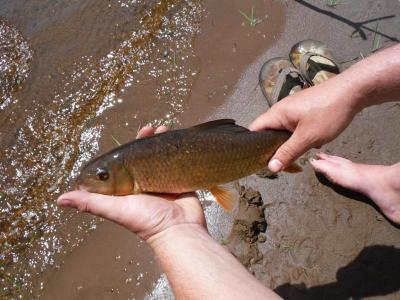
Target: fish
<point>202,157</point>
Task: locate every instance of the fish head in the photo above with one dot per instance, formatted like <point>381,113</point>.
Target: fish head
<point>106,175</point>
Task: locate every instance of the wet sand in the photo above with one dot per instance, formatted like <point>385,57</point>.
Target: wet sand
<point>303,239</point>
<point>323,242</point>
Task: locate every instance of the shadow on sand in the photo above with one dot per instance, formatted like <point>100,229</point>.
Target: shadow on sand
<point>359,27</point>
<point>374,272</point>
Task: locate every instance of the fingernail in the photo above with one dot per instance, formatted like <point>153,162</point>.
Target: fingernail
<point>275,165</point>
<point>64,202</point>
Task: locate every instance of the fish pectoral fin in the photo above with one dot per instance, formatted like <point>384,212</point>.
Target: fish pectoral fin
<point>226,197</point>
<point>293,168</point>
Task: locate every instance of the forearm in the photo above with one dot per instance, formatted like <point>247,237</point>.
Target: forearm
<point>373,80</point>
<point>198,267</point>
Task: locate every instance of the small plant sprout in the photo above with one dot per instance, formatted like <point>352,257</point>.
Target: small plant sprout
<point>173,58</point>
<point>376,42</point>
<point>115,140</point>
<point>252,20</point>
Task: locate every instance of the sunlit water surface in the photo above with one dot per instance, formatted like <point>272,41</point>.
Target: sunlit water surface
<point>56,136</point>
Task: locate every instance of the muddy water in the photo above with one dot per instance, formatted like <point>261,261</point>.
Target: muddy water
<point>74,76</point>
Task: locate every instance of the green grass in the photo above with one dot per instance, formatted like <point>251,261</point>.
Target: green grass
<point>286,248</point>
<point>224,242</point>
<point>251,20</point>
<point>334,3</point>
<point>376,43</point>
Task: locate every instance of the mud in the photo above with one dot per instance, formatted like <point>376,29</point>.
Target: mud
<point>248,229</point>
<point>323,242</point>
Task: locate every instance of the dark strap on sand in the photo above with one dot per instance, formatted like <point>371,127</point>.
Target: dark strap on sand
<point>281,81</point>
<point>304,61</point>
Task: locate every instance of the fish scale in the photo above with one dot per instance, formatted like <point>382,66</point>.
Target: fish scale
<point>197,159</point>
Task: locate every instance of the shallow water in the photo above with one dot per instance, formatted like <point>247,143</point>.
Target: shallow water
<point>89,73</point>
<point>53,125</point>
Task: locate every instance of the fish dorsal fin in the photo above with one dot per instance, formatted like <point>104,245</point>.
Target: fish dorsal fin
<point>226,124</point>
<point>225,197</point>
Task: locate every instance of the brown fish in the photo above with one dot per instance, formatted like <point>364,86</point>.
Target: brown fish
<point>200,157</point>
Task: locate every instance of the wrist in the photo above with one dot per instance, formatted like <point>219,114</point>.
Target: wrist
<point>177,233</point>
<point>353,93</point>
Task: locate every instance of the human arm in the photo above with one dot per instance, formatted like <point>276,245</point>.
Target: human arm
<point>174,226</point>
<point>317,115</point>
<point>200,268</point>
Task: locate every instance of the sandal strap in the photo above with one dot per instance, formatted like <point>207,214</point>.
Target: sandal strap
<point>281,81</point>
<point>304,61</point>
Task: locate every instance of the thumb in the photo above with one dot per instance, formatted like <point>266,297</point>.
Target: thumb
<point>288,152</point>
<point>100,205</point>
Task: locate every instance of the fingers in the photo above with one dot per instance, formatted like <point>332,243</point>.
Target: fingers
<point>97,204</point>
<point>149,131</point>
<point>145,131</point>
<point>292,149</point>
<point>161,129</point>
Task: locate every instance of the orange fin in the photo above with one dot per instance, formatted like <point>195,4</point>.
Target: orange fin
<point>225,197</point>
<point>293,168</point>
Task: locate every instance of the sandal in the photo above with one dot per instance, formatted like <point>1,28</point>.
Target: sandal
<point>314,60</point>
<point>278,78</point>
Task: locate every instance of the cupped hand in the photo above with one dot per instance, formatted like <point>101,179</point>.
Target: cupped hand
<point>147,214</point>
<point>315,115</point>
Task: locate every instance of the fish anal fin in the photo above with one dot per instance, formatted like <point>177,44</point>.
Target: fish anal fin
<point>225,197</point>
<point>293,168</point>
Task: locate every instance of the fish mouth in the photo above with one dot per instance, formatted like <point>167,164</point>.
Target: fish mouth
<point>79,186</point>
<point>82,187</point>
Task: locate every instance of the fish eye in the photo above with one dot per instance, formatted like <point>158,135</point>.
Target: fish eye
<point>102,174</point>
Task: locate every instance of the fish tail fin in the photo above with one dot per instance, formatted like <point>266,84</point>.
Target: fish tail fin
<point>226,197</point>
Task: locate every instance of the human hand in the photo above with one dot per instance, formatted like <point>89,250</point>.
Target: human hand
<point>147,215</point>
<point>315,115</point>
